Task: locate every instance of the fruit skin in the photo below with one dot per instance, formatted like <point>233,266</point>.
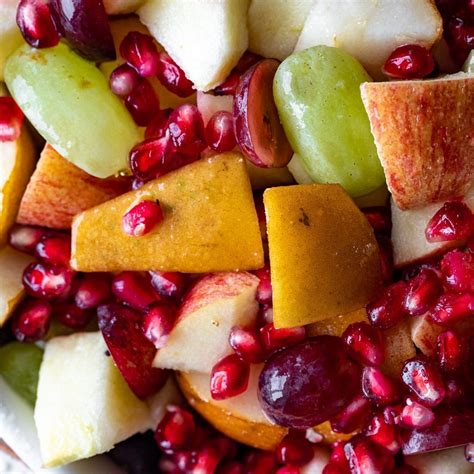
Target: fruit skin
<point>207,194</point>
<point>79,86</point>
<point>312,112</point>
<point>313,231</point>
<point>423,125</point>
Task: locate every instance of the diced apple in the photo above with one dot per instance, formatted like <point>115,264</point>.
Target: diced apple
<point>275,25</point>
<point>205,38</point>
<point>58,190</point>
<point>423,127</point>
<point>441,462</point>
<point>120,7</point>
<point>469,64</point>
<point>10,36</point>
<point>323,254</point>
<point>370,31</point>
<point>209,104</point>
<point>216,304</point>
<point>298,170</point>
<point>318,463</point>
<point>408,232</point>
<point>210,224</point>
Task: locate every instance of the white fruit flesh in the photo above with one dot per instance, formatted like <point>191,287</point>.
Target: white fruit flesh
<point>206,38</point>
<point>297,169</point>
<point>317,464</point>
<point>209,104</point>
<point>120,7</point>
<point>441,462</point>
<point>10,36</point>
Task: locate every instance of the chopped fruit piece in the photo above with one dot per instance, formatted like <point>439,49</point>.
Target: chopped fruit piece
<point>216,304</point>
<point>132,352</point>
<point>158,323</point>
<point>422,292</point>
<point>229,377</point>
<point>91,388</point>
<point>220,134</point>
<point>435,142</point>
<point>123,80</point>
<point>410,61</point>
<point>93,289</point>
<point>444,460</point>
<point>10,35</point>
<point>206,194</point>
<point>454,221</point>
<point>31,321</point>
<point>458,271</point>
<point>55,249</point>
<point>209,104</point>
<point>142,103</point>
<point>273,338</point>
<point>140,52</point>
<point>379,388</point>
<point>365,343</point>
<point>46,280</point>
<point>173,77</point>
<point>321,246</point>
<point>388,310</point>
<point>246,344</point>
<point>11,120</point>
<point>176,430</point>
<point>353,416</point>
<point>58,190</point>
<point>134,289</point>
<point>142,218</point>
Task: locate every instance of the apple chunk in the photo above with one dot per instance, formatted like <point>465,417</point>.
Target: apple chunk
<point>210,310</point>
<point>210,224</point>
<point>10,35</point>
<point>323,254</point>
<point>441,462</point>
<point>425,127</point>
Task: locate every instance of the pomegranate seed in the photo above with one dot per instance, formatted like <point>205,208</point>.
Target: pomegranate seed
<point>226,446</point>
<point>366,457</point>
<point>379,218</point>
<point>294,449</point>
<point>469,452</point>
<point>416,416</point>
<point>388,310</point>
<point>336,468</point>
<point>176,430</point>
<point>229,377</point>
<point>25,238</point>
<point>220,132</point>
<point>31,321</point>
<point>424,380</point>
<point>391,414</point>
<point>36,23</point>
<point>168,284</point>
<point>45,280</point>
<point>458,271</point>
<point>134,289</point>
<point>93,290</point>
<point>353,416</point>
<point>185,460</point>
<point>365,343</point>
<point>123,80</point>
<point>231,467</point>
<point>247,60</point>
<point>273,338</point>
<point>229,86</point>
<point>142,218</point>
<point>460,33</point>
<point>422,292</point>
<point>147,157</point>
<point>173,77</point>
<point>454,221</point>
<point>455,392</point>
<point>11,120</point>
<point>452,307</point>
<point>386,257</point>
<point>384,434</point>
<point>450,351</point>
<point>158,323</point>
<point>187,130</point>
<point>158,124</point>
<point>55,249</point>
<point>379,388</point>
<point>136,184</point>
<point>71,316</point>
<point>261,462</point>
<point>246,344</point>
<point>265,315</point>
<point>142,103</point>
<point>139,51</point>
<point>264,289</point>
<point>410,61</point>
<point>207,460</point>
<point>470,245</point>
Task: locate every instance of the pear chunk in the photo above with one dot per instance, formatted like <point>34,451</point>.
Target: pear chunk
<point>10,36</point>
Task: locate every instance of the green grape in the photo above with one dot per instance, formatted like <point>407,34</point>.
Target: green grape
<point>19,366</point>
<point>68,100</point>
<point>317,93</point>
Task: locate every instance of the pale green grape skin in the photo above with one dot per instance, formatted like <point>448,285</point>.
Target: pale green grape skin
<point>68,100</point>
<point>317,93</point>
<point>19,366</point>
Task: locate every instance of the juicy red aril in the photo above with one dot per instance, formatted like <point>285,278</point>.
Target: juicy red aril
<point>365,343</point>
<point>45,280</point>
<point>139,51</point>
<point>264,289</point>
<point>207,460</point>
<point>424,380</point>
<point>229,377</point>
<point>55,249</point>
<point>454,221</point>
<point>176,430</point>
<point>452,307</point>
<point>379,388</point>
<point>388,310</point>
<point>383,433</point>
<point>365,457</point>
<point>93,290</point>
<point>458,271</point>
<point>265,315</point>
<point>132,352</point>
<point>410,61</point>
<point>294,449</point>
<point>246,344</point>
<point>25,238</point>
<point>379,218</point>
<point>220,135</point>
<point>308,383</point>
<point>422,292</point>
<point>456,391</point>
<point>288,470</point>
<point>187,131</point>
<point>273,338</point>
<point>353,416</point>
<point>134,289</point>
<point>451,351</point>
<point>168,284</point>
<point>173,77</point>
<point>416,416</point>
<point>142,103</point>
<point>460,33</point>
<point>229,86</point>
<point>11,120</point>
<point>71,316</point>
<point>158,124</point>
<point>231,467</point>
<point>146,158</point>
<point>142,218</point>
<point>386,257</point>
<point>158,323</point>
<point>247,60</point>
<point>36,23</point>
<point>31,321</point>
<point>260,462</point>
<point>391,414</point>
<point>123,80</point>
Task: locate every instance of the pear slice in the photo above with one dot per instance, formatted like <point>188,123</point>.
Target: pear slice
<point>10,36</point>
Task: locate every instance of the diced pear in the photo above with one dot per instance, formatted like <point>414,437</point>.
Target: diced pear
<point>445,461</point>
<point>323,254</point>
<point>205,38</point>
<point>84,406</point>
<point>210,224</point>
<point>10,36</point>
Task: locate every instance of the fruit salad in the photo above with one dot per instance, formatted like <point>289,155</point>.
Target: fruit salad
<point>237,236</point>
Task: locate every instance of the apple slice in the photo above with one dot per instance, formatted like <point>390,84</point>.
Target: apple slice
<point>210,224</point>
<point>58,190</point>
<point>10,36</point>
<point>441,462</point>
<point>214,305</point>
<point>425,127</point>
<point>121,7</point>
<point>370,31</point>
